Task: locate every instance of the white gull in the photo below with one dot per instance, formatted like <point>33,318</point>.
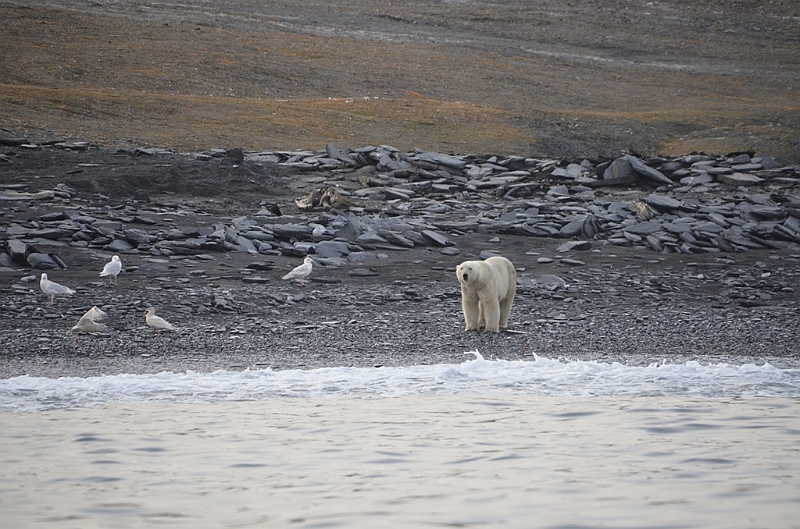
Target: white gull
<point>112,269</point>
<point>301,272</point>
<point>53,289</point>
<point>156,322</point>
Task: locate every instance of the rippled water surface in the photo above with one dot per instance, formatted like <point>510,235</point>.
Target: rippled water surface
<point>434,446</point>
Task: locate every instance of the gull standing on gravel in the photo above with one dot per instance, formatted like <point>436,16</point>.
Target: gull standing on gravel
<point>53,289</point>
<point>112,269</point>
<point>156,322</point>
<point>301,272</point>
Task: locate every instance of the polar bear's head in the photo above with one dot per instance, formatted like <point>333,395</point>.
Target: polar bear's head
<point>468,273</point>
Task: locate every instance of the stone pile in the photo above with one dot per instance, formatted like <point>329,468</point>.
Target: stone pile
<point>689,204</point>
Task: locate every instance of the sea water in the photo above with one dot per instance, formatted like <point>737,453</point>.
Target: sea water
<point>538,444</point>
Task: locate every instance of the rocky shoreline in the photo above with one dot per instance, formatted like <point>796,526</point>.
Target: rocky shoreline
<point>631,259</point>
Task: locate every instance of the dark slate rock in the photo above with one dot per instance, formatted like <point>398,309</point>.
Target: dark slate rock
<point>768,162</point>
<point>255,280</point>
<point>334,152</point>
<point>739,240</point>
<point>259,235</point>
<point>740,179</point>
<point>13,142</point>
<point>231,234</point>
<point>644,228</point>
<point>417,187</point>
<point>138,219</point>
<point>716,218</point>
<point>574,245</point>
<point>655,243</point>
<point>362,272</point>
<point>15,230</point>
<point>397,194</point>
<point>78,216</point>
<point>662,203</point>
<point>573,228</point>
<point>189,247</point>
<point>332,249</point>
<point>107,227</point>
<point>119,246</point>
<point>397,167</point>
<point>619,169</point>
<point>696,180</point>
<point>573,262</point>
<point>360,257</point>
<point>713,171</point>
<point>782,232</point>
<point>397,239</point>
<point>559,191</point>
<point>59,261</point>
<point>288,232</point>
<point>647,171</point>
<point>792,223</point>
<point>265,248</point>
<point>242,223</point>
<point>436,238</point>
<point>677,227</point>
<point>768,212</point>
<point>670,167</point>
<point>51,233</point>
<point>464,226</point>
<point>739,158</point>
<point>442,159</point>
<point>245,243</point>
<point>6,260</point>
<point>270,210</point>
<point>560,172</point>
<point>485,254</point>
<point>746,167</point>
<point>236,154</point>
<point>417,238</point>
<point>176,234</point>
<point>261,265</point>
<point>52,217</point>
<point>349,229</point>
<point>590,227</point>
<point>370,238</point>
<point>538,230</point>
<point>450,250</point>
<point>292,251</point>
<point>17,250</point>
<point>137,237</point>
<point>42,261</point>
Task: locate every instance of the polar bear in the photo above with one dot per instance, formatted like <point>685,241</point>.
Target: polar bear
<point>487,292</point>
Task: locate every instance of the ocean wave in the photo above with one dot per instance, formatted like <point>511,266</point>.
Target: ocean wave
<point>542,376</point>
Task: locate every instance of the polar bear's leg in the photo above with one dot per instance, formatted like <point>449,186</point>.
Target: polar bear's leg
<point>470,304</point>
<point>505,309</point>
<point>491,312</point>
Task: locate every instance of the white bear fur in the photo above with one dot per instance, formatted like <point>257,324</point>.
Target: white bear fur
<point>487,292</point>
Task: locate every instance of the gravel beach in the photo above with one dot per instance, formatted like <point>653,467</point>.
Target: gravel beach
<point>608,298</point>
<point>637,163</point>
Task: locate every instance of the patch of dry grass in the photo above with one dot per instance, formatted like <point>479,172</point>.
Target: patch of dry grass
<point>114,80</point>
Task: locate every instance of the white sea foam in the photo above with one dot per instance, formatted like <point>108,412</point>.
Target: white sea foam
<point>541,376</point>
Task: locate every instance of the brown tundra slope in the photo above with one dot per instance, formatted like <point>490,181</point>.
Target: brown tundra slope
<point>555,77</point>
